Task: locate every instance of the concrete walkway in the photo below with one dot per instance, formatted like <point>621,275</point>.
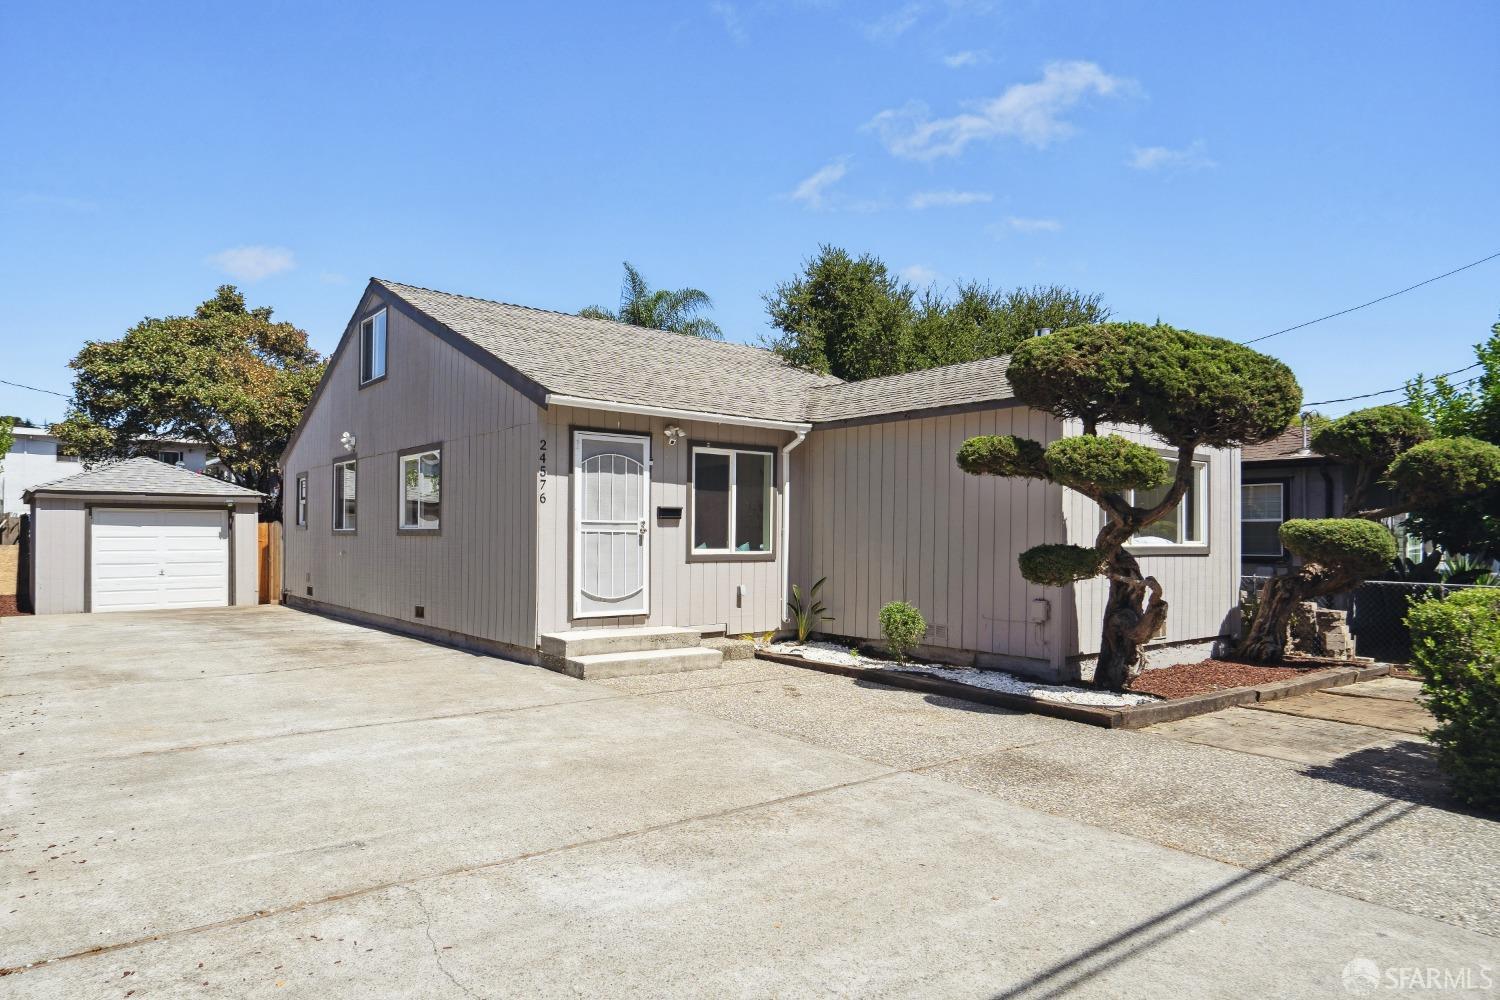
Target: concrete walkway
<point>264,803</point>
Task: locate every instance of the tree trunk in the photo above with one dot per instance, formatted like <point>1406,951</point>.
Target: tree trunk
<point>1267,638</point>
<point>1133,615</point>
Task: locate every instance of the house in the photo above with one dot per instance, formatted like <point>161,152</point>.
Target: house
<point>34,458</point>
<point>554,488</point>
<point>138,535</point>
<point>1284,479</point>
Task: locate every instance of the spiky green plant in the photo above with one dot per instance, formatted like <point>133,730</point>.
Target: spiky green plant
<point>807,611</point>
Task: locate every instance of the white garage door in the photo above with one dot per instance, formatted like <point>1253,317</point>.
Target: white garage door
<point>143,559</point>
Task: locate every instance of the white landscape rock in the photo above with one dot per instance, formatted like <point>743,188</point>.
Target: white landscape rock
<point>990,680</point>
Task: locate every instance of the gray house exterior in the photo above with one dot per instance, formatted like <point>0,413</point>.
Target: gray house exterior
<point>487,474</point>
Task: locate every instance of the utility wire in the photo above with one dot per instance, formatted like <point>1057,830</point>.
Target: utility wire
<point>33,388</point>
<point>1387,392</point>
<point>1392,295</point>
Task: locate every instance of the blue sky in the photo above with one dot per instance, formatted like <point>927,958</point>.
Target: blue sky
<point>1234,169</point>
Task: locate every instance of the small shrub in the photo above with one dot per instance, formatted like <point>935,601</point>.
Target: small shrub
<point>1456,649</point>
<point>903,627</point>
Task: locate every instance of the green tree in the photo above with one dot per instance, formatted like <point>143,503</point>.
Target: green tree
<point>227,376</point>
<point>849,316</point>
<point>1190,390</point>
<point>1396,467</point>
<point>1469,407</point>
<point>843,315</point>
<point>659,308</point>
<point>7,437</point>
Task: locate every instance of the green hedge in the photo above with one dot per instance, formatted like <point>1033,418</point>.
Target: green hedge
<point>1109,463</point>
<point>1456,649</point>
<point>903,627</point>
<point>1350,543</point>
<point>1055,565</point>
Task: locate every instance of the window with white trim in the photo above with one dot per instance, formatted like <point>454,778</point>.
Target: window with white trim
<point>1262,509</point>
<point>733,501</point>
<point>302,500</point>
<point>169,457</point>
<point>421,489</point>
<point>372,348</point>
<point>1187,523</point>
<point>345,495</point>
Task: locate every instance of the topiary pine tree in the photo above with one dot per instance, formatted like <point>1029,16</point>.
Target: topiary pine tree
<point>1190,390</point>
<point>1390,451</point>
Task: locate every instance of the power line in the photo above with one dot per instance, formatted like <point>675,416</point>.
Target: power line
<point>1387,392</point>
<point>33,388</point>
<point>1392,295</point>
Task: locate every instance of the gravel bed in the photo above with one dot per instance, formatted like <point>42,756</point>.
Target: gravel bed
<point>990,680</point>
<point>1211,675</point>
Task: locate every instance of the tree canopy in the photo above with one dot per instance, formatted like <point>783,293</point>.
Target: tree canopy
<point>676,310</point>
<point>1187,389</point>
<point>227,376</point>
<point>7,437</point>
<point>851,317</point>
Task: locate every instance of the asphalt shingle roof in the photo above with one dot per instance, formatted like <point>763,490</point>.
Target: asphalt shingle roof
<point>143,477</point>
<point>597,359</point>
<point>951,385</point>
<point>1284,447</point>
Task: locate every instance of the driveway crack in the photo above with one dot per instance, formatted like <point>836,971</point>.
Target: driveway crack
<point>437,953</point>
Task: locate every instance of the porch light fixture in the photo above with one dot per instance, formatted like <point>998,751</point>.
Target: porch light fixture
<point>674,434</point>
<point>347,440</point>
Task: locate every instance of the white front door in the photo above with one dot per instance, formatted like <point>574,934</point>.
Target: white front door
<point>612,545</point>
<point>142,559</point>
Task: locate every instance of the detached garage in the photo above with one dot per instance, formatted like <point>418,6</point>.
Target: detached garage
<point>140,535</point>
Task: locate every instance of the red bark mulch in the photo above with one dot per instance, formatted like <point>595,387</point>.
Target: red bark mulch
<point>1210,675</point>
<point>9,608</point>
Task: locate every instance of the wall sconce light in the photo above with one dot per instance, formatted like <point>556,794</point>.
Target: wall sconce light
<point>347,440</point>
<point>674,434</point>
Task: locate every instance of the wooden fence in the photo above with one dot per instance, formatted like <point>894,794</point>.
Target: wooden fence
<point>270,562</point>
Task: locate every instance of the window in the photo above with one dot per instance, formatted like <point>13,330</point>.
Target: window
<point>1261,514</point>
<point>345,506</point>
<point>65,458</point>
<point>421,489</point>
<point>372,348</point>
<point>1185,525</point>
<point>732,501</point>
<point>170,457</point>
<point>302,500</point>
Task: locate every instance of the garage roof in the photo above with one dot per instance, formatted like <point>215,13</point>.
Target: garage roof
<point>141,477</point>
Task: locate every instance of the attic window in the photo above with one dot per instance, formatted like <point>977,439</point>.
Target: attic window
<point>372,349</point>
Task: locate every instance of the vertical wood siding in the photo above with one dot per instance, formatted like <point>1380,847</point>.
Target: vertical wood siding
<point>681,592</point>
<point>1201,590</point>
<point>59,527</point>
<point>475,576</point>
<point>246,553</point>
<point>883,511</point>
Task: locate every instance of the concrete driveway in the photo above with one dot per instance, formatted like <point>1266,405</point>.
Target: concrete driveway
<point>259,802</point>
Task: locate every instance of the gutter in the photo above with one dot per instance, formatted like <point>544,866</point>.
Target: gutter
<point>796,426</point>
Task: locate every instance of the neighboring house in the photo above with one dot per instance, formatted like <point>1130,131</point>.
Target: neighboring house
<point>495,475</point>
<point>34,459</point>
<point>1283,479</point>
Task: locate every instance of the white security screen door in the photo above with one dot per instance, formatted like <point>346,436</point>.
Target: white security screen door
<point>144,559</point>
<point>611,495</point>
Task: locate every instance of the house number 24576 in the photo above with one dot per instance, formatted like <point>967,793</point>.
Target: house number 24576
<point>541,475</point>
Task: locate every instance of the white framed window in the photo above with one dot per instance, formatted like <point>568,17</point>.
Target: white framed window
<point>733,501</point>
<point>1262,509</point>
<point>345,495</point>
<point>421,489</point>
<point>372,343</point>
<point>1187,524</point>
<point>170,457</point>
<point>302,500</point>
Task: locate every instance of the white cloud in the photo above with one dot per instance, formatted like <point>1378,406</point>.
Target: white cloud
<point>919,274</point>
<point>893,25</point>
<point>948,199</point>
<point>1030,112</point>
<point>730,15</point>
<point>813,191</point>
<point>968,57</point>
<point>252,263</point>
<point>1021,225</point>
<point>1193,156</point>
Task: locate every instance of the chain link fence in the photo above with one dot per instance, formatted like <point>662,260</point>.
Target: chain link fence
<point>1377,612</point>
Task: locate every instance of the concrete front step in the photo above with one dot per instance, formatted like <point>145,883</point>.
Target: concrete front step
<point>589,641</point>
<point>599,666</point>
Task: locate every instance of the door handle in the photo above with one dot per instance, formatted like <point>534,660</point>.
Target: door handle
<point>643,527</point>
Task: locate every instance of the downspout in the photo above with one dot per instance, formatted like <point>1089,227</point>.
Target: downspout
<point>786,517</point>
